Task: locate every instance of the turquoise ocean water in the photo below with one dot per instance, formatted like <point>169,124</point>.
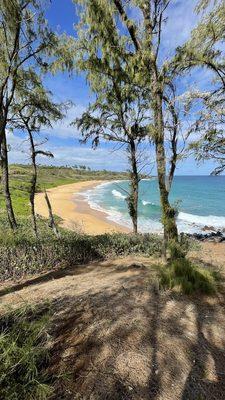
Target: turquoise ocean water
<point>200,201</point>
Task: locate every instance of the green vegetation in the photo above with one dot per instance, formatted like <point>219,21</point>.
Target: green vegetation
<point>141,92</point>
<point>48,177</point>
<point>24,354</point>
<point>189,278</point>
<point>22,254</point>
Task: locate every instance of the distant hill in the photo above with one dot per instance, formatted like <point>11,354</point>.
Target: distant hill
<point>48,177</point>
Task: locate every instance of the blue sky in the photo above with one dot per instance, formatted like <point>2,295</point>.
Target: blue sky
<point>63,139</point>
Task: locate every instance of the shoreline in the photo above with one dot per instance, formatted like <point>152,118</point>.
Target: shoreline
<point>74,210</point>
<point>76,213</point>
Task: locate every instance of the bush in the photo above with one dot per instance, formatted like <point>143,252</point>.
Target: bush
<point>181,248</point>
<point>188,277</point>
<point>24,355</point>
<point>117,244</point>
<point>21,253</point>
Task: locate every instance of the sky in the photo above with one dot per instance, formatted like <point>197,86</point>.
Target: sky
<point>63,140</point>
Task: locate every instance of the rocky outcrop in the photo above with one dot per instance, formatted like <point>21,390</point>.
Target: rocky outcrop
<point>216,237</point>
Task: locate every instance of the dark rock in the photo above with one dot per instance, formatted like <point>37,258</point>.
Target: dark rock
<point>216,237</point>
<point>208,228</point>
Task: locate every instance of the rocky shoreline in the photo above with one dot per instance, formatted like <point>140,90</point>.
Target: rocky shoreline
<point>217,237</point>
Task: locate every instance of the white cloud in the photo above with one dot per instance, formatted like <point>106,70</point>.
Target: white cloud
<point>101,158</point>
<point>97,159</point>
<point>62,129</point>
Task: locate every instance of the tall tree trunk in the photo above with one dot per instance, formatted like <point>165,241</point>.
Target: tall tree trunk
<point>2,128</point>
<point>52,223</point>
<point>32,196</point>
<point>133,198</point>
<point>168,213</point>
<point>33,181</point>
<point>5,183</point>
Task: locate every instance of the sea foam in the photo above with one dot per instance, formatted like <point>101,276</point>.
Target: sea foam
<point>186,222</point>
<point>208,220</point>
<point>117,194</point>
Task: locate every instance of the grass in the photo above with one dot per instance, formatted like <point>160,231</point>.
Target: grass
<point>188,277</point>
<point>24,354</point>
<point>48,177</point>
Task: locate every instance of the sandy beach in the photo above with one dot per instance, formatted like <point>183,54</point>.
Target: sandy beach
<point>76,214</point>
<point>74,211</point>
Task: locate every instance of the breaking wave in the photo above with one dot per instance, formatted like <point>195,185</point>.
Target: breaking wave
<point>117,194</point>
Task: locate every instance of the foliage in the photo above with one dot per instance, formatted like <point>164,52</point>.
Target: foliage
<point>189,278</point>
<point>124,244</point>
<point>28,49</point>
<point>21,253</point>
<point>27,40</point>
<point>205,48</point>
<point>180,249</point>
<point>211,145</point>
<point>24,354</point>
<point>129,56</point>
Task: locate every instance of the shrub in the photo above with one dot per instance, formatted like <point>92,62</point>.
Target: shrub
<point>21,253</point>
<point>24,355</point>
<point>188,277</point>
<point>180,249</point>
<point>117,244</point>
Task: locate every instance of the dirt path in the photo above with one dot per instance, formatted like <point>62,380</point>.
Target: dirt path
<point>117,337</point>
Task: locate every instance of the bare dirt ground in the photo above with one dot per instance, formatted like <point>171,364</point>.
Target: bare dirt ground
<point>115,336</point>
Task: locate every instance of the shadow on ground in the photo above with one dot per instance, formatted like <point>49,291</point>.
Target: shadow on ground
<point>121,338</point>
<point>133,342</point>
<point>48,276</point>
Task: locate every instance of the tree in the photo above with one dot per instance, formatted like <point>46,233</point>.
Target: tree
<point>25,40</point>
<point>119,115</point>
<point>120,112</point>
<point>24,37</point>
<point>5,184</point>
<point>33,109</point>
<point>206,48</point>
<point>211,146</point>
<point>159,76</point>
<point>107,32</point>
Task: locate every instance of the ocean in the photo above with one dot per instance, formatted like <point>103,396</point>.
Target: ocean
<point>200,201</point>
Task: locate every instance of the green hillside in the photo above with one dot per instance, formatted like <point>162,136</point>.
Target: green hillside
<point>48,177</point>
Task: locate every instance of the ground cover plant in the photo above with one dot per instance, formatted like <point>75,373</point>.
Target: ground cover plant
<point>22,254</point>
<point>184,275</point>
<point>24,355</point>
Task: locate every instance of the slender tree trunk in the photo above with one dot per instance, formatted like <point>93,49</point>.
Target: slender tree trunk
<point>133,200</point>
<point>33,182</point>
<point>5,183</point>
<point>51,217</point>
<point>32,196</point>
<point>168,213</point>
<point>2,128</point>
